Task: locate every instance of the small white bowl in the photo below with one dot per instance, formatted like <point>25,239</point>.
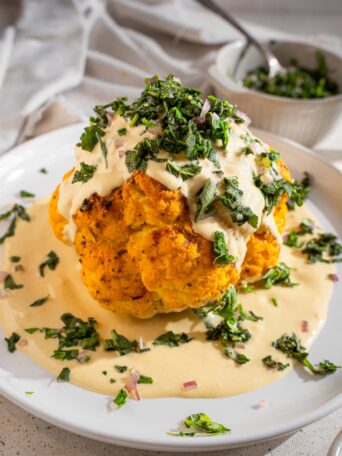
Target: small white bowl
<point>305,121</point>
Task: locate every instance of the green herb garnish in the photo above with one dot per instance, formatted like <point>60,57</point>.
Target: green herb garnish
<point>273,192</point>
<point>40,302</point>
<point>122,131</point>
<point>201,424</point>
<point>64,375</point>
<point>11,341</point>
<point>220,248</point>
<point>273,364</point>
<point>65,355</point>
<point>137,158</point>
<point>278,275</point>
<point>16,212</point>
<point>301,191</point>
<point>184,171</point>
<point>25,194</point>
<point>120,344</point>
<point>205,200</point>
<point>232,199</point>
<point>84,174</point>
<point>143,379</point>
<point>51,263</point>
<point>10,284</point>
<point>171,339</point>
<point>120,369</point>
<point>295,82</point>
<point>324,248</point>
<point>121,398</point>
<point>275,302</point>
<point>15,259</point>
<point>292,347</point>
<point>43,170</point>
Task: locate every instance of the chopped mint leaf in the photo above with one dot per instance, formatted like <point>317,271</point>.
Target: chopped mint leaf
<point>232,199</point>
<point>171,339</point>
<point>64,375</point>
<point>292,347</point>
<point>11,341</point>
<point>51,263</point>
<point>85,173</point>
<point>120,369</point>
<point>220,248</point>
<point>25,194</point>
<point>273,192</point>
<point>273,364</point>
<point>122,131</point>
<point>145,380</point>
<point>205,200</point>
<point>137,158</point>
<point>300,191</point>
<point>40,302</point>
<point>324,248</point>
<point>10,284</point>
<point>17,211</point>
<point>184,171</point>
<point>65,355</point>
<point>201,424</point>
<point>278,275</point>
<point>120,343</point>
<point>121,398</point>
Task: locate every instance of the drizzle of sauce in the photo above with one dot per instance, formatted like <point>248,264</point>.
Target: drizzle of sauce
<point>199,360</point>
<point>232,160</point>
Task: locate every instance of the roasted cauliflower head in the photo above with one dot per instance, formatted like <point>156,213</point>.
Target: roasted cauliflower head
<point>163,212</point>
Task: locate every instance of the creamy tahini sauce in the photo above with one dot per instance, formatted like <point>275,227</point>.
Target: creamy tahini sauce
<point>232,163</point>
<point>199,360</point>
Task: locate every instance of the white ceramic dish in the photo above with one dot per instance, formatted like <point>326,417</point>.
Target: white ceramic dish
<point>294,401</point>
<point>305,121</point>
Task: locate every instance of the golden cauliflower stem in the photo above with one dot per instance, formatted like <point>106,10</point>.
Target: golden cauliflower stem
<point>140,255</point>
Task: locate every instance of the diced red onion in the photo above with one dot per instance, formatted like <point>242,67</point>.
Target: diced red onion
<point>3,293</point>
<point>23,342</point>
<point>240,345</point>
<point>205,109</point>
<point>132,383</point>
<point>244,116</point>
<point>19,268</point>
<point>191,384</point>
<point>3,275</point>
<point>82,357</point>
<point>261,404</point>
<point>141,343</point>
<point>154,130</point>
<point>333,277</point>
<point>304,326</point>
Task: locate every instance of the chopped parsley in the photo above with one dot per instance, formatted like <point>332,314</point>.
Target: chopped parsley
<point>324,248</point>
<point>273,192</point>
<point>278,275</point>
<point>15,259</point>
<point>273,364</point>
<point>10,284</point>
<point>65,355</point>
<point>292,239</point>
<point>121,398</point>
<point>137,158</point>
<point>25,194</point>
<point>112,380</point>
<point>292,347</point>
<point>201,424</point>
<point>51,263</point>
<point>121,344</point>
<point>64,375</point>
<point>11,341</point>
<point>120,369</point>
<point>275,302</point>
<point>40,301</point>
<point>220,248</point>
<point>122,131</point>
<point>143,379</point>
<point>171,339</point>
<point>84,174</point>
<point>205,199</point>
<point>232,199</point>
<point>43,170</point>
<point>184,171</point>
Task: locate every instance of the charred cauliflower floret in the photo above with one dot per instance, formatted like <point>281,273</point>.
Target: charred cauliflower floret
<point>138,212</point>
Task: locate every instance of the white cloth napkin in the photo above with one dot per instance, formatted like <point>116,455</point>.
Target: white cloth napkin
<point>92,51</point>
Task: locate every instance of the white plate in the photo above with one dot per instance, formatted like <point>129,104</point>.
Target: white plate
<point>294,401</point>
